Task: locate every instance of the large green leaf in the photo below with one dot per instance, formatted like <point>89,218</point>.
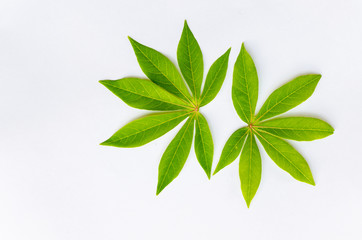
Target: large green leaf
<point>144,94</point>
<point>297,128</point>
<point>189,57</point>
<point>160,70</point>
<point>286,157</point>
<point>215,78</point>
<point>232,148</point>
<point>245,86</point>
<point>204,146</point>
<point>145,129</point>
<point>250,169</point>
<point>289,96</point>
<point>174,158</point>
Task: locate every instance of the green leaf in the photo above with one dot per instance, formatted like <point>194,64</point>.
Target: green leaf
<point>174,158</point>
<point>286,157</point>
<point>160,70</point>
<point>204,146</point>
<point>146,129</point>
<point>297,128</point>
<point>232,148</point>
<point>289,96</point>
<point>189,57</point>
<point>245,86</point>
<point>215,78</point>
<point>144,94</point>
<point>250,169</point>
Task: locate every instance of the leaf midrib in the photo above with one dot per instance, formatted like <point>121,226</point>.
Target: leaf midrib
<point>155,99</point>
<point>202,141</point>
<point>192,73</point>
<point>249,172</point>
<point>295,129</point>
<point>144,130</point>
<point>247,87</point>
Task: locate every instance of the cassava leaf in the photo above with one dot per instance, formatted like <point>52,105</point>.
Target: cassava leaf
<point>296,128</point>
<point>288,96</point>
<point>232,148</point>
<point>144,94</point>
<point>167,91</point>
<point>245,86</point>
<point>189,57</point>
<point>204,146</point>
<point>250,169</point>
<point>215,78</point>
<point>174,158</point>
<point>286,157</point>
<point>145,129</point>
<point>271,132</point>
<point>160,70</point>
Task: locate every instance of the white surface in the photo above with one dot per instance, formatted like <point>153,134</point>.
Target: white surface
<point>56,182</point>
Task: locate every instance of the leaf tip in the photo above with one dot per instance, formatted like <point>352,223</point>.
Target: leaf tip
<point>102,82</point>
<point>216,171</point>
<point>159,190</point>
<point>209,175</point>
<point>228,51</point>
<point>311,181</point>
<point>132,40</point>
<point>105,143</point>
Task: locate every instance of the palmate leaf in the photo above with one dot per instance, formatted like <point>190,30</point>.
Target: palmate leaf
<point>144,94</point>
<point>175,156</point>
<point>296,128</point>
<point>160,70</point>
<point>146,129</point>
<point>245,86</point>
<point>271,132</point>
<point>167,91</point>
<point>189,57</point>
<point>204,146</point>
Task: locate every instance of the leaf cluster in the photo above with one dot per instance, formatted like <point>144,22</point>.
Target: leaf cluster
<point>271,132</point>
<point>176,96</point>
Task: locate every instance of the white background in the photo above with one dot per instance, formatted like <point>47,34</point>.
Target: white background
<point>56,182</point>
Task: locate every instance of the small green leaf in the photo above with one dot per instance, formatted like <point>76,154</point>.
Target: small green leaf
<point>232,148</point>
<point>289,96</point>
<point>189,57</point>
<point>204,146</point>
<point>215,78</point>
<point>145,129</point>
<point>144,94</point>
<point>245,86</point>
<point>286,157</point>
<point>160,70</point>
<point>297,128</point>
<point>174,158</point>
<point>250,169</point>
